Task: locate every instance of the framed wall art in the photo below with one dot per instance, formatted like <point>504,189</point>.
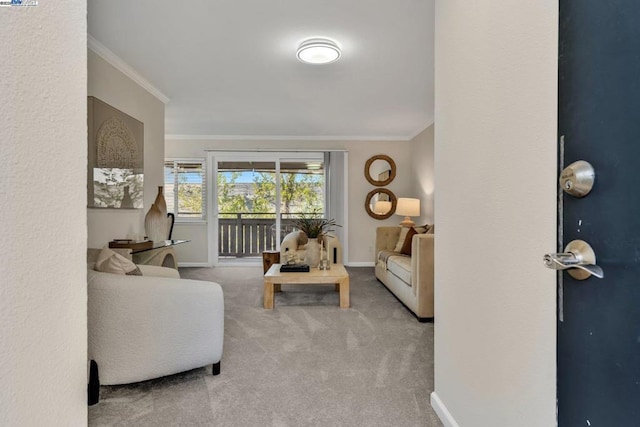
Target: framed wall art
<point>115,175</point>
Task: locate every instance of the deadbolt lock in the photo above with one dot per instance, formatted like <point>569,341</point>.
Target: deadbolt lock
<point>577,179</point>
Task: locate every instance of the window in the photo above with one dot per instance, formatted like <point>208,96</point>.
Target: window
<point>185,188</point>
<point>301,187</point>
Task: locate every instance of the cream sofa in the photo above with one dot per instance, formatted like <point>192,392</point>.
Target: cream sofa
<point>410,279</point>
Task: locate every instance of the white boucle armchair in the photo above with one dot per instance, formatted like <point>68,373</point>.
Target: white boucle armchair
<point>143,327</point>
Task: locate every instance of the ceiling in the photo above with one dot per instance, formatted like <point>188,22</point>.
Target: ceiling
<point>229,66</point>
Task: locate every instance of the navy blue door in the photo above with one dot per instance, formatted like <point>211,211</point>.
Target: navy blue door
<point>599,118</point>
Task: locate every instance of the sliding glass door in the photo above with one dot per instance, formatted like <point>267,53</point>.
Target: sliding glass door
<point>255,196</point>
<point>302,191</point>
<point>246,208</point>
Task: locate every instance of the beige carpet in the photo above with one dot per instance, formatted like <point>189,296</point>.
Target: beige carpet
<point>306,363</point>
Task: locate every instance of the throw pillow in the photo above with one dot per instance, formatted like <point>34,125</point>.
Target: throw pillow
<point>406,247</point>
<point>431,229</point>
<point>302,238</point>
<point>422,228</point>
<point>403,234</point>
<point>111,262</point>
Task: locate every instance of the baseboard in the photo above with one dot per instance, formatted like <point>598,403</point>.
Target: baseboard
<point>194,264</point>
<point>361,264</point>
<point>442,411</point>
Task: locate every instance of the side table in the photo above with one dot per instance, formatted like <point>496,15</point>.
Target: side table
<point>268,259</point>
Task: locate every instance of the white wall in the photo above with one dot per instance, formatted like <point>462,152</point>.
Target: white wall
<point>43,334</point>
<point>361,226</point>
<point>495,155</point>
<point>195,252</point>
<point>116,89</point>
<point>422,174</point>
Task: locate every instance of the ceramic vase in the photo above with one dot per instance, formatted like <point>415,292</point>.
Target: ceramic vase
<point>126,199</point>
<point>155,224</point>
<point>312,253</point>
<point>161,203</point>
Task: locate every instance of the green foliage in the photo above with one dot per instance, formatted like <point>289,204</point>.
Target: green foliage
<point>227,201</point>
<point>313,225</point>
<point>264,193</point>
<point>299,193</point>
<point>190,199</point>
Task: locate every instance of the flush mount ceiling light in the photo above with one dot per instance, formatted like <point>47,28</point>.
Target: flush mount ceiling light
<point>318,51</point>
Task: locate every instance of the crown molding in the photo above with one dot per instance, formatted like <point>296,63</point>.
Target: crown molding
<point>283,138</point>
<point>117,62</point>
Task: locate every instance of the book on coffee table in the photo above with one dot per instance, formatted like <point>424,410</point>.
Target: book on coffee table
<point>294,268</point>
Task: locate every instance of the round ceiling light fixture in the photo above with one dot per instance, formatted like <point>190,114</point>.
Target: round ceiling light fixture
<point>318,51</point>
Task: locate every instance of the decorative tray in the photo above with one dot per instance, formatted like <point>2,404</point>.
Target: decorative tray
<point>131,244</point>
<point>294,268</point>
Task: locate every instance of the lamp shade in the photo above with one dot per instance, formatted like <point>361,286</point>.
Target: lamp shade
<point>408,207</point>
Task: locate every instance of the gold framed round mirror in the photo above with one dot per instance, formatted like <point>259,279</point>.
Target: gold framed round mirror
<point>380,170</point>
<point>380,203</point>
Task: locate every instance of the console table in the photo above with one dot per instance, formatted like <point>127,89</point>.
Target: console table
<point>161,253</point>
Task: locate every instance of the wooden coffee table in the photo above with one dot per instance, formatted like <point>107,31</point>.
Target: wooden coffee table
<point>337,276</point>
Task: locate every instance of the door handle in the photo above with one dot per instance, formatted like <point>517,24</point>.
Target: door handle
<point>578,257</point>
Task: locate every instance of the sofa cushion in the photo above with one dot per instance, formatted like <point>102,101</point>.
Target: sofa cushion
<point>406,247</point>
<point>400,242</point>
<point>401,267</point>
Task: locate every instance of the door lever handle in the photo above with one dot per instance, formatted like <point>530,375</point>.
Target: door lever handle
<point>578,258</point>
<point>564,261</point>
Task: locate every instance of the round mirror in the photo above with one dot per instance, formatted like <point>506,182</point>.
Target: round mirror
<point>380,203</point>
<point>380,170</point>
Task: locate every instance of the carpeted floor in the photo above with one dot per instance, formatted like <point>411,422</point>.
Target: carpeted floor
<point>305,363</point>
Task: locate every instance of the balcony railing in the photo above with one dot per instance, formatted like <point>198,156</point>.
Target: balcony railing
<point>248,234</point>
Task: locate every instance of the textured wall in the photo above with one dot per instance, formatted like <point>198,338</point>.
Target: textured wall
<point>116,89</point>
<point>495,155</point>
<point>361,226</point>
<point>43,336</point>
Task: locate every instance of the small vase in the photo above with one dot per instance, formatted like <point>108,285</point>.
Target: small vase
<point>126,199</point>
<point>312,254</point>
<point>155,224</point>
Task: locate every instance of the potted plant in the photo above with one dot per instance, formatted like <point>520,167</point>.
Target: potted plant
<point>315,228</point>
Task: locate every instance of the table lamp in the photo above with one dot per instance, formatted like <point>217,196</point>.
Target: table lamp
<point>408,208</point>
